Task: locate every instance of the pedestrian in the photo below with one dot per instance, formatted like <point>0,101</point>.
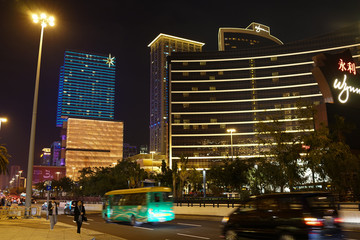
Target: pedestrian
<point>56,212</point>
<point>2,203</point>
<point>79,215</point>
<point>52,212</point>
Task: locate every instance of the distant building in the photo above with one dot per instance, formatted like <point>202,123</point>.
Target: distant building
<point>161,47</point>
<point>47,173</point>
<point>4,181</point>
<point>144,149</point>
<point>253,36</point>
<point>86,87</point>
<point>129,150</point>
<point>91,143</point>
<point>56,154</point>
<point>45,157</point>
<point>149,162</point>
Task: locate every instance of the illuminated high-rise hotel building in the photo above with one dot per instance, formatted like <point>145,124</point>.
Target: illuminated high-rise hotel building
<point>161,47</point>
<point>217,99</point>
<point>86,87</point>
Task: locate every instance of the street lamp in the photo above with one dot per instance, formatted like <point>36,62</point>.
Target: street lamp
<point>231,131</point>
<point>57,173</point>
<point>20,172</point>
<point>44,20</point>
<point>2,120</point>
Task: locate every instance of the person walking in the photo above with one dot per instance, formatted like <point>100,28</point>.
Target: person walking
<point>79,215</point>
<point>56,212</point>
<point>52,212</point>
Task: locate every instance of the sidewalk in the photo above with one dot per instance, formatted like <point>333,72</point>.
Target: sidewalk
<point>39,228</point>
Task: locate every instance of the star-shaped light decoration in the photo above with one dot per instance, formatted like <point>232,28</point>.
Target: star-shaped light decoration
<point>110,60</point>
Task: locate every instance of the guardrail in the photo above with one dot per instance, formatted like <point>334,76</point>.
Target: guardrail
<point>18,212</point>
<point>235,202</point>
<point>210,202</point>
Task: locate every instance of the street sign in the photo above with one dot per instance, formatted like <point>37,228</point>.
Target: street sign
<point>48,188</point>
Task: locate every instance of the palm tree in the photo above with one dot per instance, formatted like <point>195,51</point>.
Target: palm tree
<point>4,159</point>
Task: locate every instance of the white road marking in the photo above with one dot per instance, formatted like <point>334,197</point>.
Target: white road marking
<point>144,228</point>
<point>188,224</point>
<point>193,236</point>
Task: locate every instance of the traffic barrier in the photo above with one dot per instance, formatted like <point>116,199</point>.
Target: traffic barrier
<point>18,212</point>
<point>36,212</point>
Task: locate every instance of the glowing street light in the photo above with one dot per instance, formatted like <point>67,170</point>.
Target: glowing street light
<point>2,120</point>
<point>231,131</point>
<point>44,20</point>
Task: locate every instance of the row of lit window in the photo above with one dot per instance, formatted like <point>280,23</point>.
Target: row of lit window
<point>242,39</point>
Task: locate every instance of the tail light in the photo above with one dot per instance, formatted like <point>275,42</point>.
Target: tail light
<point>338,220</point>
<point>313,222</point>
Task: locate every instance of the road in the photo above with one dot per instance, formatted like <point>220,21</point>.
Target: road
<point>178,229</point>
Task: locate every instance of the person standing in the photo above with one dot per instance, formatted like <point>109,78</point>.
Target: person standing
<point>79,213</point>
<point>51,211</point>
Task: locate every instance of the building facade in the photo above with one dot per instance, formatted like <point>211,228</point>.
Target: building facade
<point>218,98</point>
<point>86,87</point>
<point>161,47</point>
<point>253,36</point>
<point>91,143</point>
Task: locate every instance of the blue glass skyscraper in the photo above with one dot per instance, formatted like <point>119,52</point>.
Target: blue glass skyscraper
<point>86,87</point>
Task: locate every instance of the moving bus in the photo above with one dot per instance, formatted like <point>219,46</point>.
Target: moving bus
<point>139,205</point>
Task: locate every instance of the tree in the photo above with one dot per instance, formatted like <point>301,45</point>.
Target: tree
<point>282,149</point>
<point>316,145</point>
<point>4,160</point>
<point>231,175</point>
<point>165,177</point>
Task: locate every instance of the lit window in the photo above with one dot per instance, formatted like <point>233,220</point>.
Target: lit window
<point>185,74</point>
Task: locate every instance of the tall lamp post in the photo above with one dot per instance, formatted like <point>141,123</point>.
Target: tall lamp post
<point>44,21</point>
<point>231,131</point>
<point>2,120</point>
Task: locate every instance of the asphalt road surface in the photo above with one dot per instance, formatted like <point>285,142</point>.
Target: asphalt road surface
<point>184,229</point>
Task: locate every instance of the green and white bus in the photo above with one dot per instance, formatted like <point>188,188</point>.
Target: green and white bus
<point>139,205</point>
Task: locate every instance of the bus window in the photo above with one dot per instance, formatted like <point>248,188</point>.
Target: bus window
<point>167,197</point>
<point>117,200</point>
<point>156,197</point>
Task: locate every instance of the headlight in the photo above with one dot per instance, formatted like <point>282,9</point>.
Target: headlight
<point>225,220</point>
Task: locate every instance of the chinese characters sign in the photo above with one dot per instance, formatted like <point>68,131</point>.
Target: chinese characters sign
<point>347,66</point>
<point>337,77</point>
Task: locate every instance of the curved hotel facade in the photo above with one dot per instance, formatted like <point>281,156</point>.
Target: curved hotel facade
<point>213,92</point>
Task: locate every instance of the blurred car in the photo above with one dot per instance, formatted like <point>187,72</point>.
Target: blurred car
<point>285,216</point>
<point>69,207</point>
<point>44,206</point>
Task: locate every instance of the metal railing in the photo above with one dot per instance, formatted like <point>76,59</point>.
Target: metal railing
<point>235,202</point>
<point>210,202</point>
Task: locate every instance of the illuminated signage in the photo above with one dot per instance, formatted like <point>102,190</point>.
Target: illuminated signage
<point>337,78</point>
<point>347,66</point>
<point>258,29</point>
<point>110,60</point>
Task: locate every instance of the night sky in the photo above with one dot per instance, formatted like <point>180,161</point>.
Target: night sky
<point>124,29</point>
